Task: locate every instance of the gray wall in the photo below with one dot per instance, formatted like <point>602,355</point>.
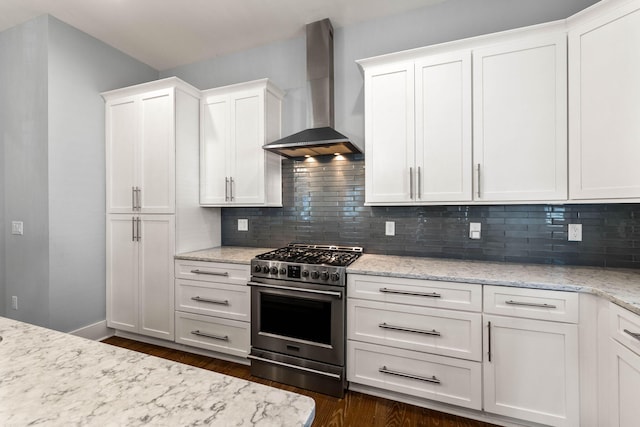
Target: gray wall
<point>53,169</point>
<point>284,62</point>
<point>23,94</point>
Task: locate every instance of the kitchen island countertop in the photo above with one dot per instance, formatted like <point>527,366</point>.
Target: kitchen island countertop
<point>52,378</point>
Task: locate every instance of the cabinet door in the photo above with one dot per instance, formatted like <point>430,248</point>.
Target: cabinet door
<point>390,134</point>
<point>604,104</point>
<point>519,108</point>
<point>156,240</point>
<point>121,142</point>
<point>625,386</point>
<point>157,152</point>
<point>122,273</point>
<point>247,157</point>
<point>530,370</point>
<point>443,127</point>
<point>214,142</point>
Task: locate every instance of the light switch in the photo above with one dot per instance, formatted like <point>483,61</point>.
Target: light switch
<point>17,227</point>
<point>243,224</point>
<point>474,230</point>
<point>390,228</point>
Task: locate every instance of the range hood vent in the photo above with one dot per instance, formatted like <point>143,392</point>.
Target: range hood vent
<point>321,139</point>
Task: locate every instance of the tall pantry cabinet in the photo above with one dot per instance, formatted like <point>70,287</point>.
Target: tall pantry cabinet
<point>152,201</point>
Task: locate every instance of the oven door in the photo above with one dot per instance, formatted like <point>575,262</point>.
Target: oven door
<point>298,319</point>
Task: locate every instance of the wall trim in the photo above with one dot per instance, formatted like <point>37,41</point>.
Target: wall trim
<point>96,331</point>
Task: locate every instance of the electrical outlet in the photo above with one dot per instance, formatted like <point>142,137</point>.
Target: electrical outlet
<point>474,230</point>
<point>575,233</point>
<point>243,225</point>
<point>17,227</point>
<point>14,302</point>
<point>390,228</point>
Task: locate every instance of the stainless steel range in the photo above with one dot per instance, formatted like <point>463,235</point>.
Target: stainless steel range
<point>298,303</point>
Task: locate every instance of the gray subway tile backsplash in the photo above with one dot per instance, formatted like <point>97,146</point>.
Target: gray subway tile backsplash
<point>323,202</point>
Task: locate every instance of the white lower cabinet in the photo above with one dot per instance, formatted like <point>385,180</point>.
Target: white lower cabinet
<point>213,306</point>
<point>531,369</point>
<point>624,367</point>
<point>444,379</point>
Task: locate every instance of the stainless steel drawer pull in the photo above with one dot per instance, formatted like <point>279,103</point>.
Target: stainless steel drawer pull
<point>210,273</point>
<point>632,334</point>
<point>431,379</point>
<point>212,301</point>
<point>300,368</point>
<point>419,294</point>
<point>206,335</point>
<point>402,328</point>
<point>529,304</point>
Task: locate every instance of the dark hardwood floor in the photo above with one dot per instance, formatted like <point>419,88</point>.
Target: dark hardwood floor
<point>355,409</point>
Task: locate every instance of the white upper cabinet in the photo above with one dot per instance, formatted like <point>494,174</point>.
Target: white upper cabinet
<point>418,130</point>
<point>140,152</point>
<point>476,121</point>
<point>236,122</point>
<point>604,102</point>
<point>520,120</point>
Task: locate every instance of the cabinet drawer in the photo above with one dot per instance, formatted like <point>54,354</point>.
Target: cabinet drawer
<point>212,272</point>
<point>444,379</point>
<point>555,306</point>
<point>214,299</point>
<point>425,293</point>
<point>444,332</point>
<point>213,333</point>
<point>624,327</point>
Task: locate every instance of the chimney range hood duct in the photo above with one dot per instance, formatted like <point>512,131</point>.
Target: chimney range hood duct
<point>321,139</point>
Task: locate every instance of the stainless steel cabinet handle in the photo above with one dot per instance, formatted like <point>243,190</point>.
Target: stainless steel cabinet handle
<point>300,368</point>
<point>431,379</point>
<point>133,198</point>
<point>226,189</point>
<point>419,294</point>
<point>529,304</point>
<point>139,230</point>
<point>411,183</point>
<point>417,331</point>
<point>212,301</point>
<point>207,335</point>
<point>291,288</point>
<point>478,180</point>
<point>210,273</point>
<point>632,334</point>
<point>489,340</point>
<point>419,184</point>
<point>231,189</point>
<point>133,229</point>
<point>139,199</point>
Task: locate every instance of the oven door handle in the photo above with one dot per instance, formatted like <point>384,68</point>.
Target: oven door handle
<point>291,288</point>
<point>301,368</point>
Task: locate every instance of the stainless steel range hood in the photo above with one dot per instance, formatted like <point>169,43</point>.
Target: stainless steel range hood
<point>321,138</point>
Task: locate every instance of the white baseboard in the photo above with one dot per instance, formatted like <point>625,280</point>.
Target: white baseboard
<point>97,331</point>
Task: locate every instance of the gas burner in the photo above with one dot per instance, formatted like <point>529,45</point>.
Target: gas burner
<point>339,256</point>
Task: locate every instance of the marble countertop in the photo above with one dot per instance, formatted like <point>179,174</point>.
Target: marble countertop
<point>622,286</point>
<point>51,378</point>
<point>230,254</point>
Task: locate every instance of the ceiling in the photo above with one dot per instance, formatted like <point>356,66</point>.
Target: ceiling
<point>168,33</point>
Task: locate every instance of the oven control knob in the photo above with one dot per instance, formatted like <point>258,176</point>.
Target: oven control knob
<point>265,269</point>
<point>274,270</point>
<point>315,274</point>
<point>283,270</point>
<point>305,273</point>
<point>335,277</point>
<point>325,275</point>
<point>257,268</point>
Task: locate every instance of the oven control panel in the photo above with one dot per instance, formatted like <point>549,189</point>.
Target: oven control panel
<point>329,275</point>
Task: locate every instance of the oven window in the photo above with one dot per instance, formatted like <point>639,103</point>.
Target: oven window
<point>300,318</point>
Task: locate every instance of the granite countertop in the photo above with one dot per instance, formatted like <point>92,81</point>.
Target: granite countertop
<point>230,254</point>
<point>622,286</point>
<point>51,378</point>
